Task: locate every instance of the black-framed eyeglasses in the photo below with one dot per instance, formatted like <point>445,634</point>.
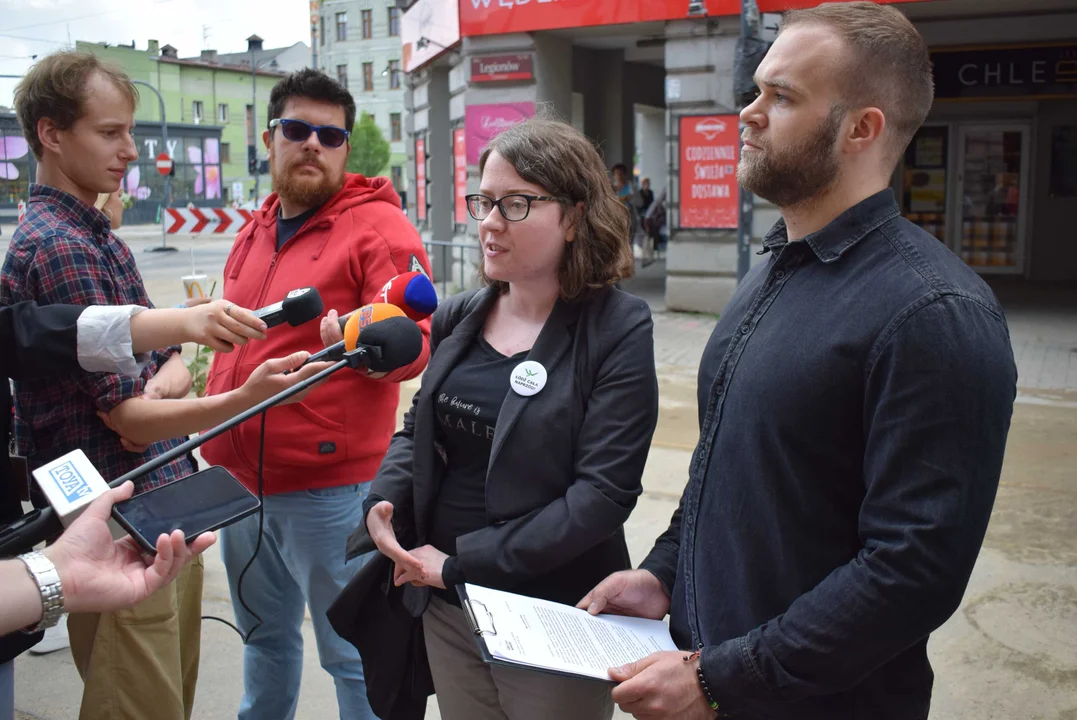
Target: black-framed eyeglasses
<point>298,131</point>
<point>514,208</point>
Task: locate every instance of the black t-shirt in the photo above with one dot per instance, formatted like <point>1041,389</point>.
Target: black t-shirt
<point>287,228</point>
<point>467,406</point>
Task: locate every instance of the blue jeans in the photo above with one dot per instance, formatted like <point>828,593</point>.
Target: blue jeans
<point>7,690</point>
<point>301,562</point>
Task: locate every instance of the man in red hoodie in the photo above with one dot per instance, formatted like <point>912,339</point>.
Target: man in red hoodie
<point>345,235</point>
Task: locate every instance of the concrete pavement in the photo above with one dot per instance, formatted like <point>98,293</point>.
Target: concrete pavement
<point>1009,652</point>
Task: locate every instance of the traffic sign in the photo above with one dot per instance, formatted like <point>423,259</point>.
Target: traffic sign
<point>214,220</point>
<point>164,164</point>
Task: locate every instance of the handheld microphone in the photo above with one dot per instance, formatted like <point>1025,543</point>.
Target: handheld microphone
<point>71,482</point>
<point>357,320</point>
<point>296,308</point>
<point>411,292</point>
<point>391,344</point>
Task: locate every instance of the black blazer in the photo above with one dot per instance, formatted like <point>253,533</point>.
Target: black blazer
<point>565,471</point>
<point>566,464</point>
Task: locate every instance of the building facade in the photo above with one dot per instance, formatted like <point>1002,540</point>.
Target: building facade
<point>991,174</point>
<point>358,43</point>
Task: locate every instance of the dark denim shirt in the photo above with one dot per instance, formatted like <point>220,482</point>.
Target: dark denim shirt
<point>854,401</point>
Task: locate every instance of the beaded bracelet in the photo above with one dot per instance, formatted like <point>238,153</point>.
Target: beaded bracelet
<point>703,683</point>
<point>706,690</point>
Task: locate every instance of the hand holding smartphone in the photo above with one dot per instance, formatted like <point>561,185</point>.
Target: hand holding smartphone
<point>199,503</point>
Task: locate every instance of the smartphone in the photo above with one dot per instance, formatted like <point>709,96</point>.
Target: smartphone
<point>208,500</point>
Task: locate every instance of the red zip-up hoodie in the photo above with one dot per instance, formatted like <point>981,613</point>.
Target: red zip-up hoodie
<point>355,243</point>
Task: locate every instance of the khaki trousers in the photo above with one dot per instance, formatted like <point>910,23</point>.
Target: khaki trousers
<point>469,689</point>
<point>142,663</point>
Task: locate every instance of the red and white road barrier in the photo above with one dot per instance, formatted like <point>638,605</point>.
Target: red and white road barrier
<point>210,220</point>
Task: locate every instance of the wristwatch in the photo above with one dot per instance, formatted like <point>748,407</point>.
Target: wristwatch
<point>44,573</point>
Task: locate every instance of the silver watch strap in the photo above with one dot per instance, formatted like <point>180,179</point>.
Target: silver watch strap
<point>47,578</point>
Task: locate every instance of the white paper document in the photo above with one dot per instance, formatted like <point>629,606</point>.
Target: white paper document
<point>549,636</point>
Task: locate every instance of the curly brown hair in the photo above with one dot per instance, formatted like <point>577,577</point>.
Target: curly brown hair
<point>55,88</point>
<point>561,160</point>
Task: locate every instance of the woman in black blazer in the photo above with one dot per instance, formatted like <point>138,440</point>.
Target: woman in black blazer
<point>522,455</point>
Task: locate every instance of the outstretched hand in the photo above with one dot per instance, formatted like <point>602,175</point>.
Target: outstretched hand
<point>99,574</point>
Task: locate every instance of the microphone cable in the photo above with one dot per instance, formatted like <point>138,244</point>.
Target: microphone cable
<point>257,545</point>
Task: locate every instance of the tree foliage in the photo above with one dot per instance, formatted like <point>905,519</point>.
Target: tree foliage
<point>370,149</point>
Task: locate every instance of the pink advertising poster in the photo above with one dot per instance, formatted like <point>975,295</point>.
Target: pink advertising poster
<point>483,122</point>
<point>459,157</point>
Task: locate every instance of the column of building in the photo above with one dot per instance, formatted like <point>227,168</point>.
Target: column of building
<point>701,265</point>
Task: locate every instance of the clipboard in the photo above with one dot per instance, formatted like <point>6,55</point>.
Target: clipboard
<point>482,625</point>
<point>483,621</point>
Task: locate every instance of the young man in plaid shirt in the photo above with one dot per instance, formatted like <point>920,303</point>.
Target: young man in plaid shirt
<point>77,114</point>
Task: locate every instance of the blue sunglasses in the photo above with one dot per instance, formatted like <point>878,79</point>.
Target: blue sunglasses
<point>298,131</point>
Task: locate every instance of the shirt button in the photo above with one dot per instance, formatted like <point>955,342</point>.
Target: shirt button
<point>780,274</point>
<point>745,328</point>
<point>718,389</point>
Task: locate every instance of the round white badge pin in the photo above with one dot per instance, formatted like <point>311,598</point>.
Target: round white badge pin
<point>528,378</point>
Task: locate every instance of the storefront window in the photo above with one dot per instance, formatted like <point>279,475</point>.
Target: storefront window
<point>990,203</point>
<point>186,186</point>
<point>14,168</point>
<point>204,171</point>
<point>925,178</point>
<point>152,187</point>
<point>212,164</point>
<point>197,178</point>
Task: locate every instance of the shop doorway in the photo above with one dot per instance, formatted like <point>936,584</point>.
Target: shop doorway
<point>992,187</point>
<point>968,185</point>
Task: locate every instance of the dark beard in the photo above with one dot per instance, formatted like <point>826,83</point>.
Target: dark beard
<point>794,175</point>
<point>306,192</point>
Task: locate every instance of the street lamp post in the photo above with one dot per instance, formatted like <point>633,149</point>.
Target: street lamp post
<point>254,123</point>
<point>168,179</point>
<point>254,114</point>
<point>750,51</point>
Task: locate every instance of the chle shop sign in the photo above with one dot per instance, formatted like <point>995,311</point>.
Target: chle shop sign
<point>1015,71</point>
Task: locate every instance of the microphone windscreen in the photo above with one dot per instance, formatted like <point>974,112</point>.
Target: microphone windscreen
<point>399,339</point>
<point>301,306</point>
<point>364,317</point>
<point>413,293</point>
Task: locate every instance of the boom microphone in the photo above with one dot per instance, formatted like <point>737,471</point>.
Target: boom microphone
<point>297,307</point>
<point>411,292</point>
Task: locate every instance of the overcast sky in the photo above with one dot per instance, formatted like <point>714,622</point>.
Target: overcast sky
<point>37,27</point>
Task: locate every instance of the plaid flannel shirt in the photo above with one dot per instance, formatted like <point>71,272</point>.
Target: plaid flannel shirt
<point>64,252</point>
